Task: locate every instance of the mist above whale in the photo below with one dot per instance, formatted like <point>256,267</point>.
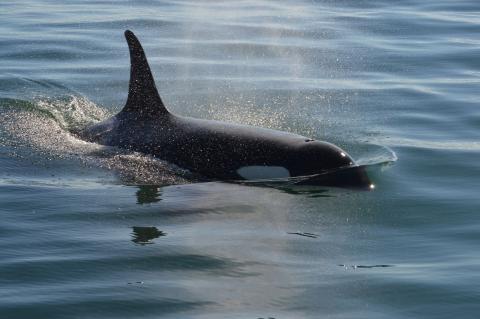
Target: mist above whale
<point>214,149</point>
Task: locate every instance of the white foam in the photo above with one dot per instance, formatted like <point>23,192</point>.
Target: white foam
<point>44,128</point>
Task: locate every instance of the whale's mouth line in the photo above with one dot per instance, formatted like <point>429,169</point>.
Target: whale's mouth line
<point>318,179</point>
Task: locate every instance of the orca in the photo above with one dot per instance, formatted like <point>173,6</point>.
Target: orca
<point>214,149</point>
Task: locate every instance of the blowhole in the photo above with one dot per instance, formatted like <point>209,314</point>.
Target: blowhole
<point>309,140</point>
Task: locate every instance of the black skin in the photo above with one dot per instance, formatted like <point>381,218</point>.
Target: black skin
<point>211,148</point>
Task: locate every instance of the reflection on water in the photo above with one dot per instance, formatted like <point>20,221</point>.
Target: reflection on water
<point>312,192</point>
<point>364,266</point>
<point>145,235</point>
<point>148,194</point>
<point>304,234</point>
<point>288,186</point>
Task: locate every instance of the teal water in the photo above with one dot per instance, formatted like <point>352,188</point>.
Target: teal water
<point>91,232</point>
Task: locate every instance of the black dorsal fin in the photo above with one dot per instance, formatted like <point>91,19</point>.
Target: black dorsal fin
<point>143,97</point>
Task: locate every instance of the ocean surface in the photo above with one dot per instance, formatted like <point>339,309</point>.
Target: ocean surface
<point>93,232</point>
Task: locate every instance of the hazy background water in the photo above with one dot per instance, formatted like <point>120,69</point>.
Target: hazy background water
<point>90,232</point>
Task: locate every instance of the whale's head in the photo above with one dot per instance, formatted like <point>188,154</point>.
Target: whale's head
<point>329,165</point>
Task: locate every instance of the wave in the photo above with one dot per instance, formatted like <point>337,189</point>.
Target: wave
<point>45,126</point>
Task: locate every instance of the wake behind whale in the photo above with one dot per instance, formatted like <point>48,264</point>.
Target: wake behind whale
<point>213,149</point>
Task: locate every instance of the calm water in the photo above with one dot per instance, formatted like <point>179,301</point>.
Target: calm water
<point>90,232</point>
